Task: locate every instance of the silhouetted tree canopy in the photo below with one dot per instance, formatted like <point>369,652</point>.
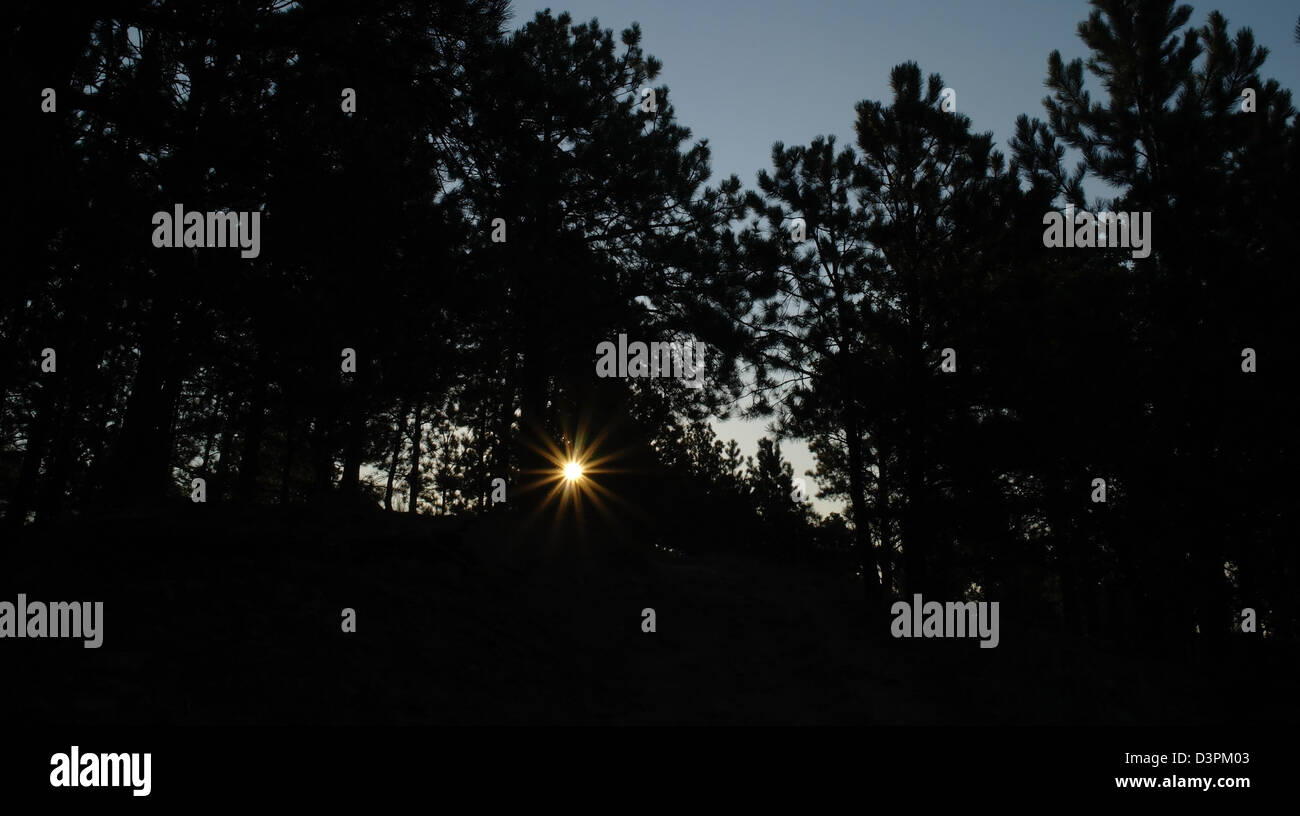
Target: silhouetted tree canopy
<point>960,384</point>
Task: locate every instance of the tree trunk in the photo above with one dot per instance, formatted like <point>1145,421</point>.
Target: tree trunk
<point>398,433</point>
<point>883,522</point>
<point>533,436</point>
<point>353,453</point>
<point>916,539</point>
<point>210,438</point>
<point>871,589</point>
<point>225,452</point>
<point>413,476</point>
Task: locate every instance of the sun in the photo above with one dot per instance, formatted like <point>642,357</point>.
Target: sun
<point>571,472</point>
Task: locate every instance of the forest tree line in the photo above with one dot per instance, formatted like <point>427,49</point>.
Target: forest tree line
<point>923,242</point>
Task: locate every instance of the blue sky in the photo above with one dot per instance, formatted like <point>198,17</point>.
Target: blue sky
<point>746,74</point>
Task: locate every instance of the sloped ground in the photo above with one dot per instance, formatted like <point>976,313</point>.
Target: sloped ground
<point>214,616</point>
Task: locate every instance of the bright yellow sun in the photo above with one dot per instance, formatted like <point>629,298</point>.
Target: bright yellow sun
<point>571,475</point>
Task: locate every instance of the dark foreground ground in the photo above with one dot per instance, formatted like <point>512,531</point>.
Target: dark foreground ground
<point>223,617</point>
